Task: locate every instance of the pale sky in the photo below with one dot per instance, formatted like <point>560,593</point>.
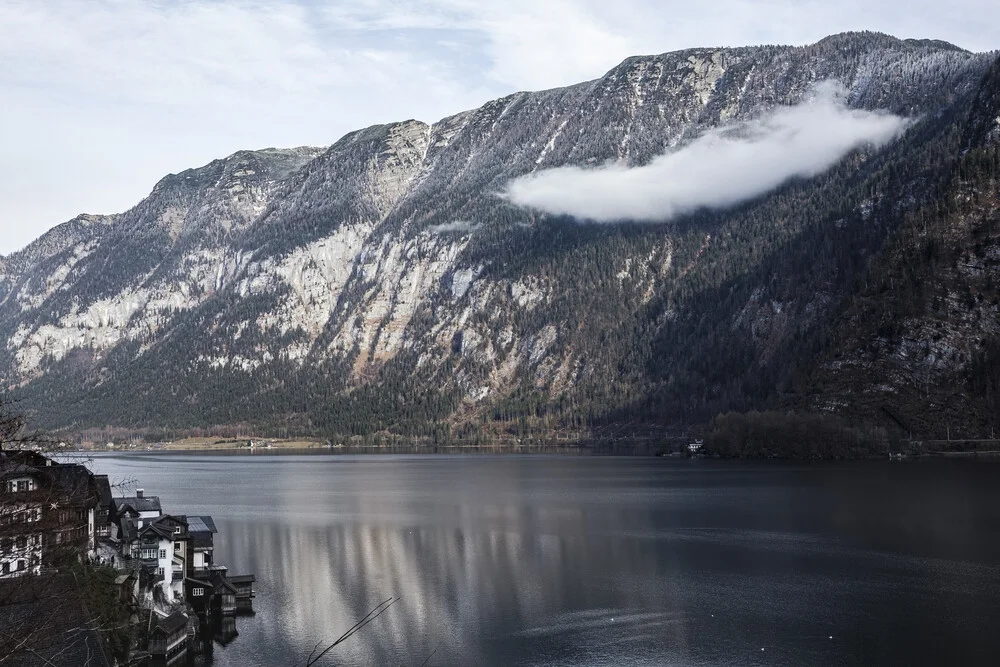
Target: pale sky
<point>100,99</point>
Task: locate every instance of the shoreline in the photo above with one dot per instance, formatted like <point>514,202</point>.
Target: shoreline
<point>524,450</point>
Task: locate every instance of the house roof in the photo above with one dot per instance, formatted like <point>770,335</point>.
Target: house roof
<point>144,504</point>
<point>172,520</point>
<point>201,529</point>
<point>167,525</point>
<point>161,531</point>
<point>242,578</point>
<point>23,456</point>
<point>221,582</point>
<point>13,469</point>
<point>172,623</point>
<point>201,524</point>
<point>75,479</point>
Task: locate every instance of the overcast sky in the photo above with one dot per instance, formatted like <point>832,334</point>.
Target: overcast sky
<point>102,98</point>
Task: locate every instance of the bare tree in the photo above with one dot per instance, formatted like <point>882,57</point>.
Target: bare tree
<point>377,611</point>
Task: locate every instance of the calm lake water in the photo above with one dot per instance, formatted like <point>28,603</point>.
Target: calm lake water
<point>550,561</point>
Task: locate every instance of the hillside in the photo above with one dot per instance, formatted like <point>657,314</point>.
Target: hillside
<point>385,284</point>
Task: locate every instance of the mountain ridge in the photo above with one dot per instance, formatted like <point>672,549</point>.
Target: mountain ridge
<point>379,285</point>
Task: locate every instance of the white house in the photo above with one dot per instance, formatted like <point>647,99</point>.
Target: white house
<point>163,550</point>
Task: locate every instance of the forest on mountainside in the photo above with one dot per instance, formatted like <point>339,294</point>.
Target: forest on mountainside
<point>381,290</point>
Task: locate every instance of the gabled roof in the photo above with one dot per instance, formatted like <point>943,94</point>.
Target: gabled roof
<point>220,582</point>
<point>155,529</point>
<point>144,504</point>
<point>171,624</point>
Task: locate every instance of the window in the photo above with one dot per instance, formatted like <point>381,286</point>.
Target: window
<point>6,567</point>
<point>20,565</point>
<point>21,542</point>
<point>197,592</point>
<point>163,553</point>
<point>159,570</point>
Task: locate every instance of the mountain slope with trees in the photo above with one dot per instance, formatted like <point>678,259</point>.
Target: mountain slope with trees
<point>383,286</point>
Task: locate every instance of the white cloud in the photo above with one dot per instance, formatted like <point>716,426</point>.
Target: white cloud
<point>462,226</point>
<point>719,169</point>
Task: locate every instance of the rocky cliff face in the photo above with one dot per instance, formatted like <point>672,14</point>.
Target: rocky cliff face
<point>383,283</point>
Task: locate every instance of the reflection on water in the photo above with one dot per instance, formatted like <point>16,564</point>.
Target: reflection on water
<point>566,561</point>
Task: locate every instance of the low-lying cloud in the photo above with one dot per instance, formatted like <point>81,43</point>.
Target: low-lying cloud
<point>460,226</point>
<point>719,169</point>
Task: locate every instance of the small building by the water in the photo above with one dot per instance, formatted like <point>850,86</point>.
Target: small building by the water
<point>167,634</point>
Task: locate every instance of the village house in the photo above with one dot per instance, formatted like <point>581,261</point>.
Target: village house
<point>73,507</point>
<point>55,513</point>
<point>102,521</point>
<point>202,545</point>
<point>212,595</point>
<point>128,516</point>
<point>156,544</point>
<point>209,589</point>
<point>47,512</point>
<point>20,514</point>
<point>140,507</point>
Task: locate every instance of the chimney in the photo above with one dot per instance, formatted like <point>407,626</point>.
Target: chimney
<point>138,493</point>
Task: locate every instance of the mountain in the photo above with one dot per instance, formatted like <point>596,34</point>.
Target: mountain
<point>384,285</point>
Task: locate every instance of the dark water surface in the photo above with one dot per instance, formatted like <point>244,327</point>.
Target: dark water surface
<point>599,561</point>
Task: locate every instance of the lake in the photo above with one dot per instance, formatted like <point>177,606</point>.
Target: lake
<point>551,561</point>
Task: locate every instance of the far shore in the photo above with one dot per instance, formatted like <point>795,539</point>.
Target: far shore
<point>641,447</point>
<point>291,445</point>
